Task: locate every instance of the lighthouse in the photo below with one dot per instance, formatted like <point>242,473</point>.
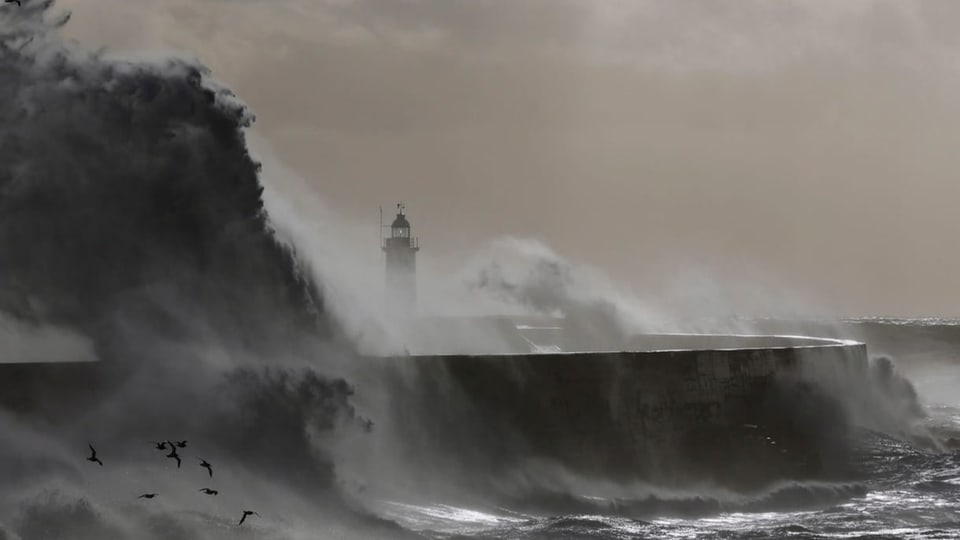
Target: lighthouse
<point>401,272</point>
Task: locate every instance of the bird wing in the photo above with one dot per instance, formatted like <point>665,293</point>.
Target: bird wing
<point>92,449</point>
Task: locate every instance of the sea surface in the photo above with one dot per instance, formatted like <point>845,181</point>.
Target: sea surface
<point>911,495</point>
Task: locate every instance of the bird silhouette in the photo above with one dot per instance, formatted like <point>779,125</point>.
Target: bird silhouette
<point>147,496</point>
<point>181,444</point>
<point>159,445</point>
<point>209,491</point>
<point>93,456</point>
<point>173,455</point>
<point>17,2</point>
<point>247,513</point>
<point>205,465</point>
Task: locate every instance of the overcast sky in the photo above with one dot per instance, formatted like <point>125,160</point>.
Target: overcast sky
<point>813,142</point>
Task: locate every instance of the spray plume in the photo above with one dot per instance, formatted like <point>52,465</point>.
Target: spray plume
<point>133,232</point>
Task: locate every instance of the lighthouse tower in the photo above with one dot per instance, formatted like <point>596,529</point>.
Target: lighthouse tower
<point>401,249</point>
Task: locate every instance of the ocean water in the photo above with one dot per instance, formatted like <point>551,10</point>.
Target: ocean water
<point>908,494</point>
<point>133,232</point>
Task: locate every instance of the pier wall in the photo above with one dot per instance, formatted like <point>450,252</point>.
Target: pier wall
<point>668,412</point>
<point>48,390</point>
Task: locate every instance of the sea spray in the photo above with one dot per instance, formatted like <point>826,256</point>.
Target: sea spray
<point>132,230</point>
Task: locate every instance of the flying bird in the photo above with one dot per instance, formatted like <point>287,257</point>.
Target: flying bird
<point>181,444</point>
<point>205,465</point>
<point>147,496</point>
<point>173,455</point>
<point>247,513</point>
<point>17,2</point>
<point>93,456</point>
<point>159,445</point>
<point>209,491</point>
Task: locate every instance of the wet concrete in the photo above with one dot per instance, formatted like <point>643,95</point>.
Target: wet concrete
<point>686,409</point>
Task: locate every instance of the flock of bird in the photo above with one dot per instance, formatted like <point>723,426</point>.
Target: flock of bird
<point>173,446</point>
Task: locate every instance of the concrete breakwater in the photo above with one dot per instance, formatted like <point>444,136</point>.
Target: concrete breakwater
<point>671,408</point>
<point>51,388</point>
<point>674,409</point>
